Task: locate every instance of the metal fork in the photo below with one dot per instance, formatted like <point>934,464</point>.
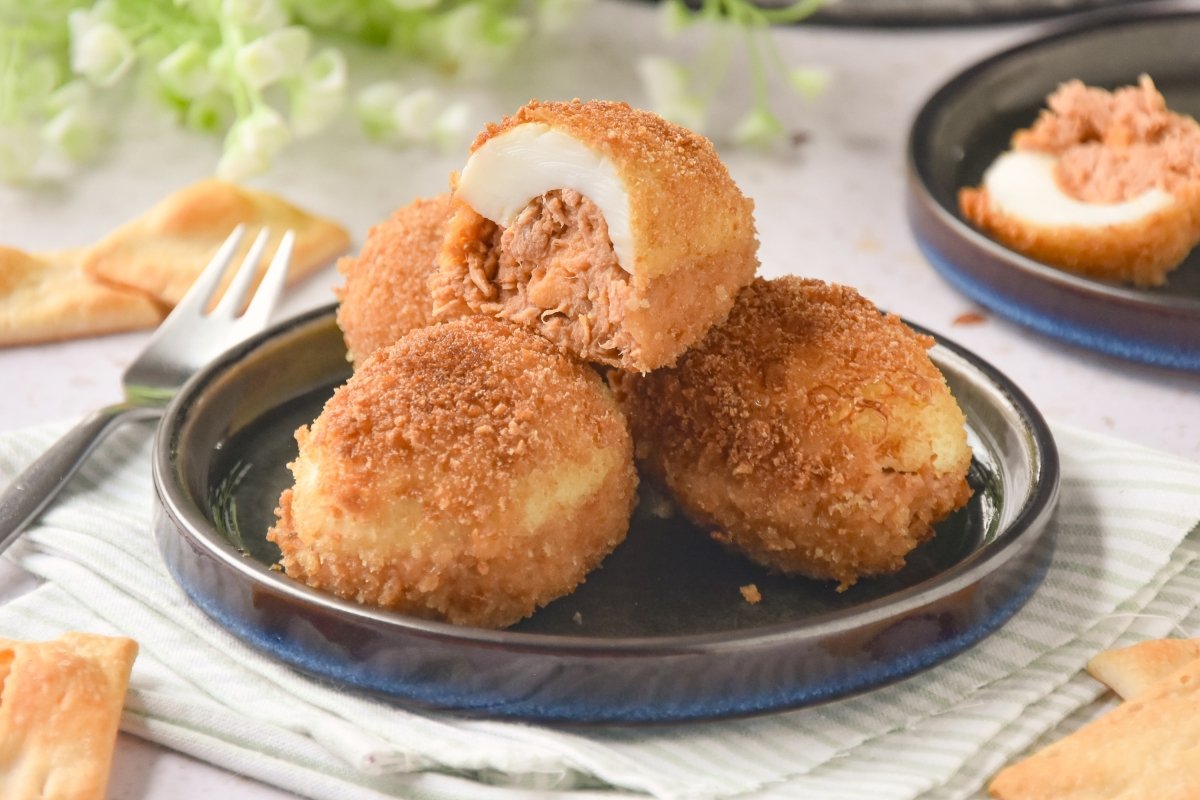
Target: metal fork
<point>186,340</point>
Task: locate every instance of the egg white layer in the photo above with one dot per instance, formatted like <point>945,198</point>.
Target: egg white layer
<point>1022,185</point>
<point>524,162</point>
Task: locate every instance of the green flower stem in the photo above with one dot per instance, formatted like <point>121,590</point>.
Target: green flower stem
<point>8,81</point>
<point>796,12</point>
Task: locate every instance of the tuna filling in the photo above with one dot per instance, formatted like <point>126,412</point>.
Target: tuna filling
<point>1113,146</point>
<point>554,270</point>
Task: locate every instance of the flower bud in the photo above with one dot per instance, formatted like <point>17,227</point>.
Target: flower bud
<point>263,15</point>
<point>277,55</point>
<point>74,132</point>
<point>99,51</point>
<point>252,143</point>
<point>759,128</point>
<point>374,106</point>
<point>185,72</point>
<point>809,82</point>
<point>416,113</point>
<point>319,92</point>
<point>451,126</point>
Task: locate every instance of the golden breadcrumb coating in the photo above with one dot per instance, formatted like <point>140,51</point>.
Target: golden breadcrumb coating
<point>1109,147</point>
<point>470,472</point>
<point>386,293</point>
<point>808,431</point>
<point>693,239</point>
<point>1142,252</point>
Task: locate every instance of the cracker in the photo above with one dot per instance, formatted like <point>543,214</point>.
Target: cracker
<point>49,297</point>
<point>164,250</point>
<point>60,708</point>
<point>1131,670</point>
<point>1144,749</point>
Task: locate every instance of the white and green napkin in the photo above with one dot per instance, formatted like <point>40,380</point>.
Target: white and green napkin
<point>1124,569</point>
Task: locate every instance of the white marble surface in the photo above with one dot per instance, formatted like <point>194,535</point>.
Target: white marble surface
<point>832,208</point>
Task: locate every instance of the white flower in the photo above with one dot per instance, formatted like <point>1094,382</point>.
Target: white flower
<point>475,42</point>
<point>99,51</point>
<point>416,114</point>
<point>252,143</point>
<point>374,106</point>
<point>809,82</point>
<point>759,128</point>
<point>341,14</point>
<point>74,131</point>
<point>266,15</point>
<point>277,55</point>
<point>451,126</point>
<point>391,113</point>
<point>319,92</point>
<point>666,84</point>
<point>73,128</point>
<point>185,72</point>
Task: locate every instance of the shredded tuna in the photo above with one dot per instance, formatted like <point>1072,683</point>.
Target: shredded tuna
<point>556,262</point>
<point>1113,146</point>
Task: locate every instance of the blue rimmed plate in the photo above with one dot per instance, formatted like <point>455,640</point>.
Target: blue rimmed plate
<point>660,633</point>
<point>968,121</point>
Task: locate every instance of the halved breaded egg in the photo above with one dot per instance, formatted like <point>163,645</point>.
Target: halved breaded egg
<point>617,235</point>
<point>470,472</point>
<point>385,293</point>
<point>808,431</point>
<point>1103,184</point>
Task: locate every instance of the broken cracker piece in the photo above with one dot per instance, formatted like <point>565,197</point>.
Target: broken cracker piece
<point>60,708</point>
<point>1144,748</point>
<point>49,297</point>
<point>164,250</point>
<point>1129,671</point>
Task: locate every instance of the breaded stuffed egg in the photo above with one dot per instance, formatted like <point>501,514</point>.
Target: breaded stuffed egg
<point>615,234</point>
<point>808,431</point>
<point>470,473</point>
<point>385,293</point>
<point>1104,184</point>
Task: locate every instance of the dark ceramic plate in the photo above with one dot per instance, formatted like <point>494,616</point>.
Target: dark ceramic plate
<point>914,13</point>
<point>659,633</point>
<point>968,122</point>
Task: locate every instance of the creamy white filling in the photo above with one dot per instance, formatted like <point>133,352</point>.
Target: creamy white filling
<point>1022,184</point>
<point>509,170</point>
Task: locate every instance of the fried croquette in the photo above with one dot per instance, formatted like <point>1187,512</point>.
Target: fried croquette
<point>470,472</point>
<point>809,431</point>
<point>615,234</point>
<point>385,293</point>
<point>1104,184</point>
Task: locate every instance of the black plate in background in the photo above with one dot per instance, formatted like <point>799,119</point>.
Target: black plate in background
<point>969,121</point>
<point>928,13</point>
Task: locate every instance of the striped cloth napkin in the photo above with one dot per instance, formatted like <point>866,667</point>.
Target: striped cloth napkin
<point>1124,569</point>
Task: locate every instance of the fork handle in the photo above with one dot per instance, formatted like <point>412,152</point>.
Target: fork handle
<point>40,482</point>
